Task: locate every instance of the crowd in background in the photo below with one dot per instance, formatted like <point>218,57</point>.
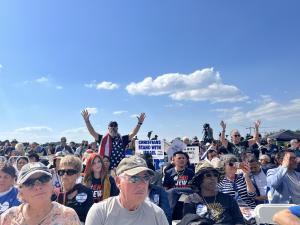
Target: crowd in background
<point>233,176</point>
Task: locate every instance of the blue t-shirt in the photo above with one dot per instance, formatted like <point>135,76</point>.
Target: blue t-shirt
<point>9,200</point>
<point>295,210</point>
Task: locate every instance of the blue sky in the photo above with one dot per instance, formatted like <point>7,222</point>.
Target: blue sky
<point>183,63</point>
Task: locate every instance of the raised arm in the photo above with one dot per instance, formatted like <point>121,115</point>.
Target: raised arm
<point>246,171</point>
<point>138,126</point>
<point>222,138</point>
<point>86,116</point>
<point>256,133</point>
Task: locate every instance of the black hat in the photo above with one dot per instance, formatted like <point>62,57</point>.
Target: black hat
<point>113,124</point>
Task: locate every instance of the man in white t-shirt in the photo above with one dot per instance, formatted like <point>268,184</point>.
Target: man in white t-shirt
<point>130,206</point>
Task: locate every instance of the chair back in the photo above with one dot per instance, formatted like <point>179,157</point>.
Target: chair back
<point>265,212</point>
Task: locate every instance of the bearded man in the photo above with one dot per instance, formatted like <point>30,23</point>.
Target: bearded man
<point>112,144</point>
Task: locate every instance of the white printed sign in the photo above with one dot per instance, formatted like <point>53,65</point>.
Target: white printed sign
<point>193,152</point>
<point>177,145</point>
<point>153,147</point>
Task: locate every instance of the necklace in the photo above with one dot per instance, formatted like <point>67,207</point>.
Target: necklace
<point>211,206</point>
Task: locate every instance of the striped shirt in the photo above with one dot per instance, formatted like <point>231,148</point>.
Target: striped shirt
<point>238,189</point>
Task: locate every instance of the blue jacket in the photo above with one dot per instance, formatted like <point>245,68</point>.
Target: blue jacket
<point>159,196</point>
<point>281,186</point>
<point>9,200</point>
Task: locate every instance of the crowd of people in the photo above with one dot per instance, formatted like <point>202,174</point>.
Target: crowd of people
<point>97,183</point>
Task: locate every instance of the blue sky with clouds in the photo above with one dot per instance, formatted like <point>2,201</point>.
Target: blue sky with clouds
<point>182,63</point>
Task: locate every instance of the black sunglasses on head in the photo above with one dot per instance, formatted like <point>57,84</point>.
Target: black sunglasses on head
<point>237,135</point>
<point>31,182</point>
<point>69,172</point>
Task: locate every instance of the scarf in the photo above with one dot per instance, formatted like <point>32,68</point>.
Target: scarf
<point>105,147</point>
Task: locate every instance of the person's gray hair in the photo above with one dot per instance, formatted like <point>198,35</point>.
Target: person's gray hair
<point>265,157</point>
<point>225,159</point>
<point>293,141</point>
<point>233,131</point>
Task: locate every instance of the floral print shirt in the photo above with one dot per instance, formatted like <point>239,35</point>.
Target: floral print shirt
<point>59,215</point>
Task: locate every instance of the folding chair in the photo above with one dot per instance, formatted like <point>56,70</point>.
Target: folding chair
<point>265,212</point>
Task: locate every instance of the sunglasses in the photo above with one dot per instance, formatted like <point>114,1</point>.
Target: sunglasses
<point>235,164</point>
<point>69,172</point>
<point>209,175</point>
<point>31,182</point>
<point>135,179</point>
<point>237,135</point>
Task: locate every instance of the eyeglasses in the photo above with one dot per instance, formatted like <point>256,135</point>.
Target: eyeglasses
<point>209,175</point>
<point>31,182</point>
<point>69,172</point>
<point>237,135</point>
<point>135,179</point>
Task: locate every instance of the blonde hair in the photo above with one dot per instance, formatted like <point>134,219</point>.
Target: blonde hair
<point>20,148</point>
<point>71,161</point>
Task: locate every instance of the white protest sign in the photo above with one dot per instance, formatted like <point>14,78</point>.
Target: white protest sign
<point>193,152</point>
<point>153,147</point>
<point>177,145</point>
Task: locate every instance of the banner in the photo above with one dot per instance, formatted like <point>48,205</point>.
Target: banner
<point>193,152</point>
<point>153,147</point>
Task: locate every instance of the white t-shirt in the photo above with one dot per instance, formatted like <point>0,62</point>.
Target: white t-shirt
<point>111,212</point>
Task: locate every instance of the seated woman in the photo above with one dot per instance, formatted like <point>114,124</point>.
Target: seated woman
<point>8,193</point>
<point>74,195</point>
<point>239,186</point>
<point>96,178</point>
<point>35,189</point>
<point>207,202</point>
<point>21,161</point>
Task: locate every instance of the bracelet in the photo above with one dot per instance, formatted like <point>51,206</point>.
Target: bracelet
<point>223,130</point>
<point>139,123</point>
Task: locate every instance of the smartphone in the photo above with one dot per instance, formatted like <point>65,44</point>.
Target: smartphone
<point>237,164</point>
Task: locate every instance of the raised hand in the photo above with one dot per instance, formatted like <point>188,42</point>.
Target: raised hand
<point>257,124</point>
<point>85,114</point>
<point>245,168</point>
<point>141,117</point>
<point>223,125</point>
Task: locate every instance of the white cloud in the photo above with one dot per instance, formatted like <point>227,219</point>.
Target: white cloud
<point>119,112</point>
<point>268,111</point>
<point>174,105</point>
<point>34,129</point>
<point>42,80</point>
<point>230,110</point>
<point>134,115</point>
<point>92,110</point>
<point>91,85</point>
<point>59,87</point>
<point>107,85</point>
<point>1,66</point>
<point>40,134</point>
<point>201,85</point>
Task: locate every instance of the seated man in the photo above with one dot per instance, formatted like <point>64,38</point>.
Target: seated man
<point>176,182</point>
<point>284,180</point>
<point>289,216</point>
<point>207,202</point>
<point>259,179</point>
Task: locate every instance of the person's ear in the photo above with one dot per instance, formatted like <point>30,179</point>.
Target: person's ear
<point>118,182</point>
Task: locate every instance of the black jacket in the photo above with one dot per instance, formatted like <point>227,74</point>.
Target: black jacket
<point>81,202</point>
